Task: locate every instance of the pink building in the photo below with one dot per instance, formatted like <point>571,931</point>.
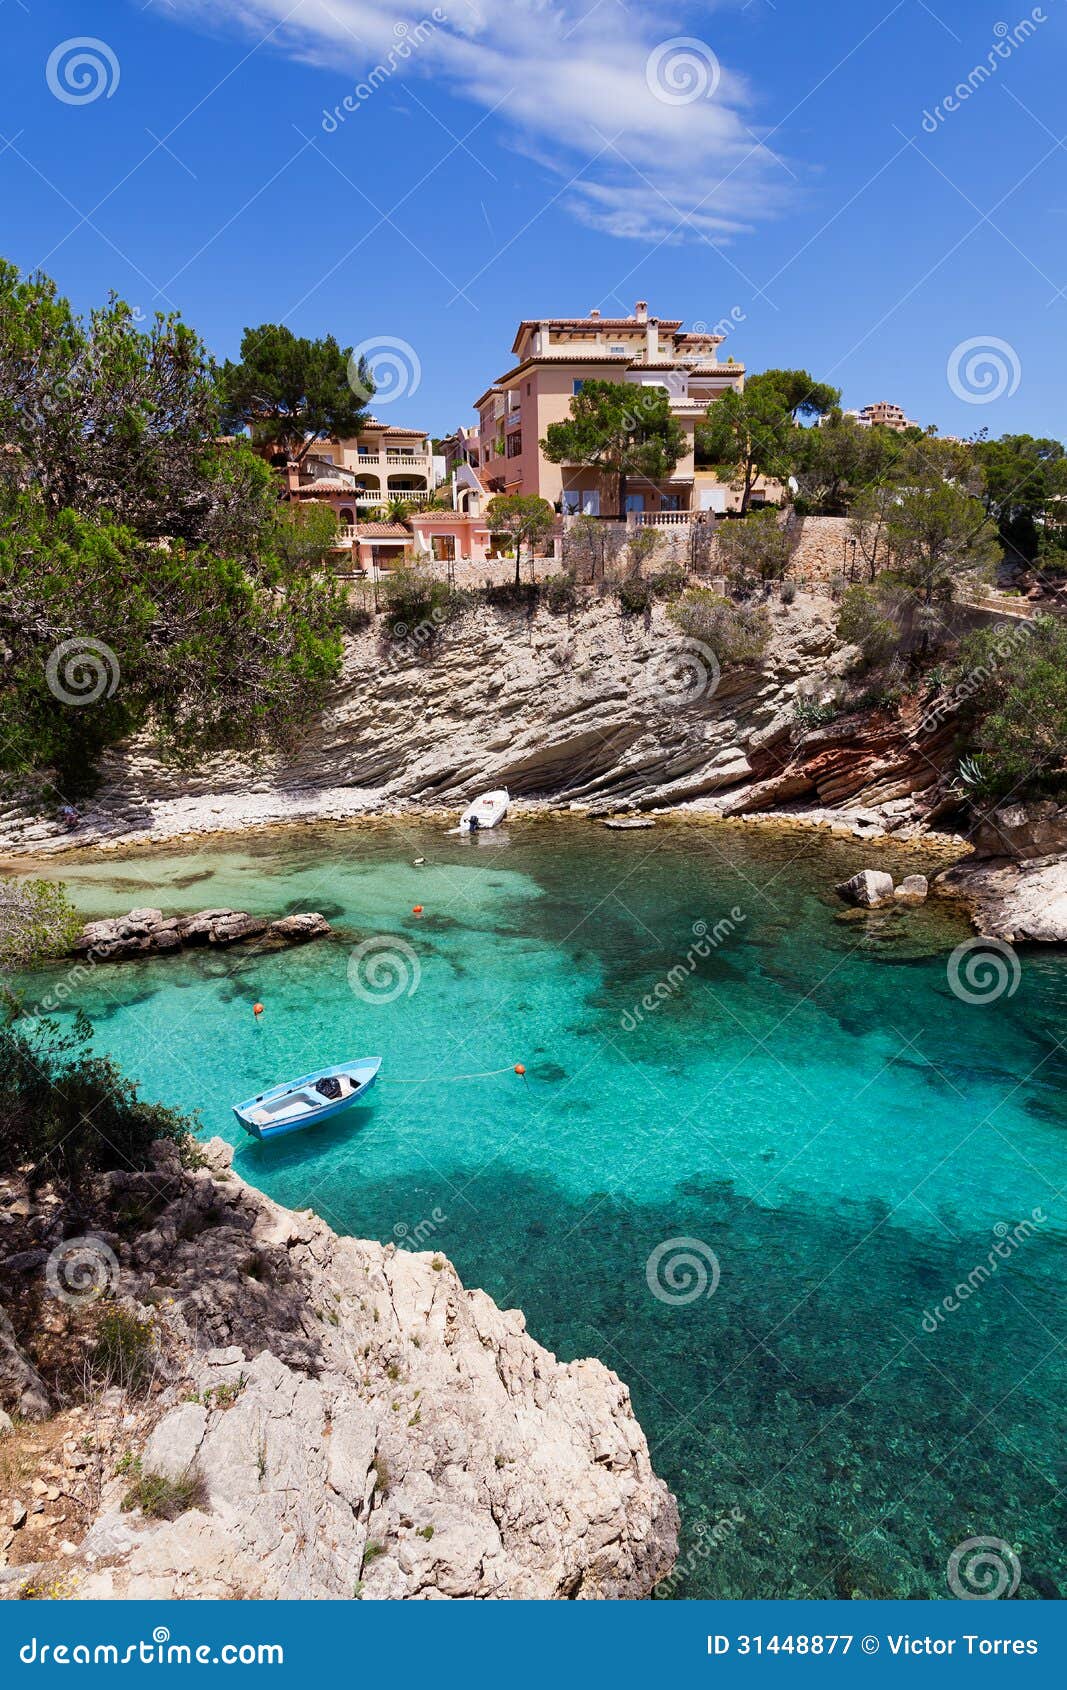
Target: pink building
<point>553,356</point>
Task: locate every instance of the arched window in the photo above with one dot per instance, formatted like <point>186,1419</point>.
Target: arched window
<point>346,517</point>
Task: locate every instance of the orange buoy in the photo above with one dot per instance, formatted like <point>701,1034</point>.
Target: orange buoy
<point>417,910</point>
<point>257,1009</point>
<point>520,1068</point>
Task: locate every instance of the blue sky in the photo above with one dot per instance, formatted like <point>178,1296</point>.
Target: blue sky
<point>783,162</point>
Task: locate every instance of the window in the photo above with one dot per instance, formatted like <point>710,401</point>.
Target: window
<point>635,501</point>
<point>515,444</point>
<point>578,501</point>
<point>616,348</point>
<point>576,386</point>
<point>669,502</point>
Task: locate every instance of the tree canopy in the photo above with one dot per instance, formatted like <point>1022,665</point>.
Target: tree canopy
<point>523,518</point>
<point>290,391</point>
<point>148,579</point>
<point>620,429</point>
<point>753,433</point>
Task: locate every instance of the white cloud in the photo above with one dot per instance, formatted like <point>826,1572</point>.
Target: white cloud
<point>648,141</point>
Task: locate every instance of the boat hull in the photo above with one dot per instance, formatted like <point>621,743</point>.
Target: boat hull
<point>486,811</point>
<point>294,1106</point>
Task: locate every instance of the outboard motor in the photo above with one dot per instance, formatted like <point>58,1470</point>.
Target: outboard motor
<point>474,824</point>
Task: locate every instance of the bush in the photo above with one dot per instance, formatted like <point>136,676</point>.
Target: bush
<point>37,921</point>
<point>123,1352</point>
<point>163,1498</point>
<point>355,617</point>
<point>635,594</point>
<point>68,1114</point>
<point>738,634</point>
<point>871,617</point>
<point>1017,681</point>
<point>415,599</point>
<point>756,548</point>
<point>560,592</point>
<point>513,595</point>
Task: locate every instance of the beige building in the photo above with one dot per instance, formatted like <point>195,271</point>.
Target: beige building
<point>883,414</point>
<point>382,462</point>
<point>553,356</point>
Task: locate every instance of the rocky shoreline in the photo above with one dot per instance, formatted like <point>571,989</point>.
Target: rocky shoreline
<point>316,1416</point>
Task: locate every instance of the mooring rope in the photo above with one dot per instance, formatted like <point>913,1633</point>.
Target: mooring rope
<point>451,1079</point>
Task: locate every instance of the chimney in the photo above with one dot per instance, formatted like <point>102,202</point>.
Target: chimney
<point>594,311</point>
<point>641,310</point>
<point>652,340</point>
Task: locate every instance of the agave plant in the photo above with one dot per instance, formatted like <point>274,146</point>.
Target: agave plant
<point>973,778</point>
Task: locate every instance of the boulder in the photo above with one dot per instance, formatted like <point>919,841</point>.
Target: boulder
<point>308,925</point>
<point>913,889</point>
<point>196,929</point>
<point>1022,831</point>
<point>867,889</point>
<point>229,928</point>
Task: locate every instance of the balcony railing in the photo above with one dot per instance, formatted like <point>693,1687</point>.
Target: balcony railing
<point>661,519</point>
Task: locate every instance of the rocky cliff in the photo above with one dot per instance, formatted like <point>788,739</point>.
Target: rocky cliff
<point>589,707</point>
<point>286,1413</point>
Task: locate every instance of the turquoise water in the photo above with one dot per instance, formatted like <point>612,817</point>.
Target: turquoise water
<point>808,1101</point>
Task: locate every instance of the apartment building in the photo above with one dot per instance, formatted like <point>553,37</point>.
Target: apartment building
<point>382,462</point>
<point>552,357</point>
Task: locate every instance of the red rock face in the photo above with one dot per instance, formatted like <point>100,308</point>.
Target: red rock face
<point>868,758</point>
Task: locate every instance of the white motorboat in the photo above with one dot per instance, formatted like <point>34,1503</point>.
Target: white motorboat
<point>486,811</point>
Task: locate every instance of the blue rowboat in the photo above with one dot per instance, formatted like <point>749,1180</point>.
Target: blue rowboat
<point>304,1102</point>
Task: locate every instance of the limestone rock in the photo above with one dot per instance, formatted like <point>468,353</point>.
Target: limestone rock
<point>309,925</point>
<point>1022,831</point>
<point>21,1386</point>
<point>913,889</point>
<point>867,889</point>
<point>1023,901</point>
<point>348,1395</point>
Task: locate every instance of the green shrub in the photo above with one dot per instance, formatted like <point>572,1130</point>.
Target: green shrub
<point>68,1114</point>
<point>37,921</point>
<point>417,603</point>
<point>756,548</point>
<point>123,1352</point>
<point>513,595</point>
<point>1017,709</point>
<point>738,634</point>
<point>164,1499</point>
<point>559,592</point>
<point>871,618</point>
<point>635,594</point>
